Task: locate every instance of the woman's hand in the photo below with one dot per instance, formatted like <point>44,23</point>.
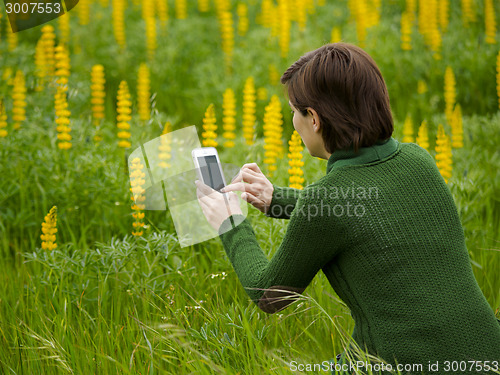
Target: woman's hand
<point>255,187</point>
<point>215,206</point>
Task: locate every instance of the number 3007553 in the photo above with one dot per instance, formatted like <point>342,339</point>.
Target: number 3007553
<point>33,8</point>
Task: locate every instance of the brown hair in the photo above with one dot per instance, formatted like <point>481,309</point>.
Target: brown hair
<point>345,87</point>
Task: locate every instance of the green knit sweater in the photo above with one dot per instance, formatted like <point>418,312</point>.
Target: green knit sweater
<point>383,227</point>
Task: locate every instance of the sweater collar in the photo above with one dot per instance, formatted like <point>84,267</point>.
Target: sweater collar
<point>379,151</point>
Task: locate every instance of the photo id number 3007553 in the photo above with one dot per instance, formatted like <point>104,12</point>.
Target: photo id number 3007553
<point>31,8</point>
<point>479,366</point>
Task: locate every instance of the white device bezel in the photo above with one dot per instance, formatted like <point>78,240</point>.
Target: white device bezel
<point>203,152</point>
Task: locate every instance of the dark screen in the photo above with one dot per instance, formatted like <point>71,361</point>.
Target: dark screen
<point>210,172</point>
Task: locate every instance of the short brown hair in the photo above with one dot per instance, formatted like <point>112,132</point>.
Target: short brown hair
<point>345,87</point>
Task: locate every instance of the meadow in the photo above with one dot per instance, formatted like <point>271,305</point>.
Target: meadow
<point>114,293</point>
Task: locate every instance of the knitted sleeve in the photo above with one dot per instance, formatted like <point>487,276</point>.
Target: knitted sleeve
<point>283,202</point>
<point>306,247</point>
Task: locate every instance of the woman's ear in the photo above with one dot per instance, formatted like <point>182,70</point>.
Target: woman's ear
<point>315,119</point>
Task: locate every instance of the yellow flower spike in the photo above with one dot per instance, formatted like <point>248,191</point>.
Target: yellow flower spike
<point>273,130</point>
<point>118,15</point>
<point>423,137</point>
<point>209,125</point>
<point>457,131</point>
<point>267,13</point>
<point>406,32</point>
<point>180,9</point>
<point>151,36</point>
<point>408,130</point>
<point>40,65</point>
<point>443,154</point>
<point>336,35</point>
<point>143,93</point>
<point>229,117</point>
<point>83,11</point>
<point>62,66</point>
<point>164,148</point>
<point>295,161</point>
<point>12,40</point>
<point>274,75</point>
<point>249,116</point>
<point>124,111</point>
<point>489,22</point>
<point>3,121</point>
<point>203,6</point>
<point>444,17</point>
<point>162,9</point>
<point>62,119</point>
<point>227,35</point>
<point>468,13</point>
<point>64,28</point>
<point>49,43</point>
<point>284,27</point>
<point>410,10</point>
<point>262,93</point>
<point>49,230</point>
<point>242,12</point>
<point>98,95</point>
<point>450,93</point>
<point>137,181</point>
<point>19,99</point>
<point>421,87</point>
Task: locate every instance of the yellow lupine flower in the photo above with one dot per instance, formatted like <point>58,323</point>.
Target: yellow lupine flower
<point>181,9</point>
<point>408,130</point>
<point>242,12</point>
<point>489,22</point>
<point>151,36</point>
<point>227,35</point>
<point>118,14</point>
<point>443,154</point>
<point>423,137</point>
<point>64,28</point>
<point>162,8</point>
<point>274,75</point>
<point>421,87</point>
<point>98,94</point>
<point>249,105</point>
<point>267,13</point>
<point>336,35</point>
<point>295,162</point>
<point>62,66</point>
<point>164,148</point>
<point>457,132</point>
<point>203,6</point>
<point>143,93</point>
<point>49,42</point>
<point>3,121</point>
<point>19,99</point>
<point>262,93</point>
<point>301,14</point>
<point>49,230</point>
<point>468,13</point>
<point>137,182</point>
<point>450,93</point>
<point>273,129</point>
<point>62,119</point>
<point>83,11</point>
<point>229,117</point>
<point>11,39</point>
<point>405,32</point>
<point>40,65</point>
<point>444,9</point>
<point>124,111</point>
<point>210,127</point>
<point>285,24</point>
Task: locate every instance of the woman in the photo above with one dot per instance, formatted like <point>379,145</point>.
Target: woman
<point>381,224</point>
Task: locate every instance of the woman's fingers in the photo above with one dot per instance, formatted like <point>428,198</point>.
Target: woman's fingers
<point>239,186</point>
<point>253,200</point>
<point>253,166</point>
